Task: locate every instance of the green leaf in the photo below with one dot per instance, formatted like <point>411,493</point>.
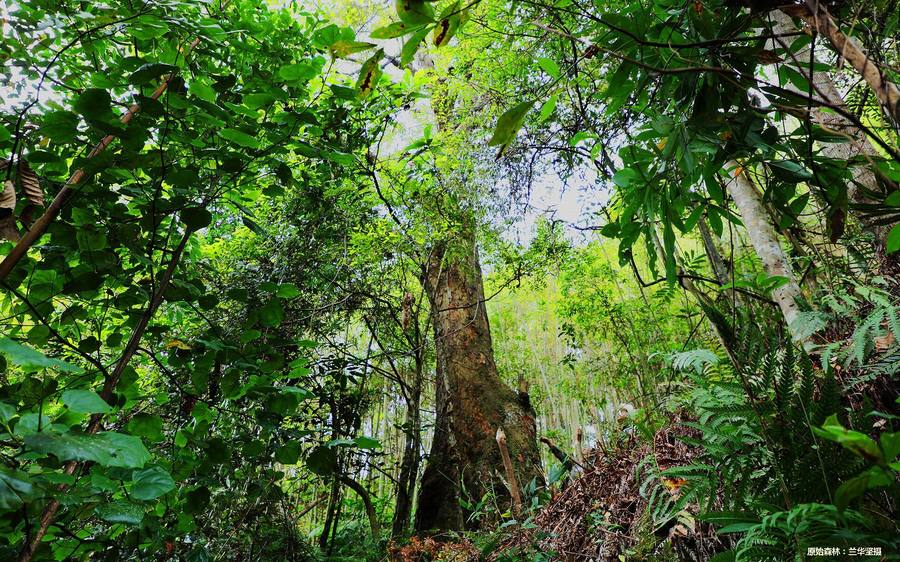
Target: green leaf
<point>893,200</point>
<point>859,443</point>
<point>509,124</point>
<point>7,412</point>
<point>890,445</point>
<point>196,217</point>
<point>15,489</point>
<point>289,453</point>
<point>450,21</point>
<point>271,314</point>
<point>90,240</point>
<point>414,12</point>
<point>396,29</point>
<point>94,103</point>
<point>30,360</point>
<point>239,137</point>
<point>105,448</point>
<point>728,517</point>
<point>328,35</point>
<point>341,49</point>
<point>288,291</point>
<point>60,126</point>
<point>300,71</point>
<point>548,108</point>
<point>411,46</point>
<point>790,171</point>
<point>893,239</point>
<point>147,426</point>
<point>625,177</point>
<point>203,91</point>
<point>147,72</point>
<point>549,66</point>
<point>322,461</point>
<point>364,442</point>
<point>120,512</point>
<point>369,75</point>
<point>151,483</point>
<point>85,402</point>
<point>256,101</point>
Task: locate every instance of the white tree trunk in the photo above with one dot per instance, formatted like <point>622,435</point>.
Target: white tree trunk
<point>764,239</point>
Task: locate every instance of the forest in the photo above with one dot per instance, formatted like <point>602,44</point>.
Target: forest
<point>449,280</point>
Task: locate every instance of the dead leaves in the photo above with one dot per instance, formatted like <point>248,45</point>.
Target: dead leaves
<point>30,184</point>
<point>29,188</point>
<point>7,198</point>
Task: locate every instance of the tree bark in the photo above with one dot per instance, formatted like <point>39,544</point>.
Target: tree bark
<point>887,92</point>
<point>471,400</point>
<point>824,88</point>
<point>764,238</point>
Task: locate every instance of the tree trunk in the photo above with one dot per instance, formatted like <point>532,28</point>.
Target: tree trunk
<point>762,235</point>
<point>721,328</point>
<point>887,92</point>
<point>367,503</point>
<point>471,400</point>
<point>721,271</point>
<point>823,87</point>
<point>409,465</point>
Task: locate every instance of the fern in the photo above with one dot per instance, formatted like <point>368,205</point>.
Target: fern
<point>760,457</point>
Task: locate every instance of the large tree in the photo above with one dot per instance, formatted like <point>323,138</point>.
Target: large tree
<point>472,403</point>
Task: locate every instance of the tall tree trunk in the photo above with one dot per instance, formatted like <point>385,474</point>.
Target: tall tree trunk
<point>409,465</point>
<point>823,88</point>
<point>764,238</point>
<point>471,400</point>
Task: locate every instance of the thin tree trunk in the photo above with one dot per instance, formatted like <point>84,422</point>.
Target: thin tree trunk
<point>764,239</point>
<point>329,514</point>
<point>366,498</point>
<point>887,92</point>
<point>859,144</point>
<point>409,465</point>
<point>720,270</point>
<point>723,332</point>
<point>471,400</point>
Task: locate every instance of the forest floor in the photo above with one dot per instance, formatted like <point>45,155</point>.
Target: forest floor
<point>600,512</point>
